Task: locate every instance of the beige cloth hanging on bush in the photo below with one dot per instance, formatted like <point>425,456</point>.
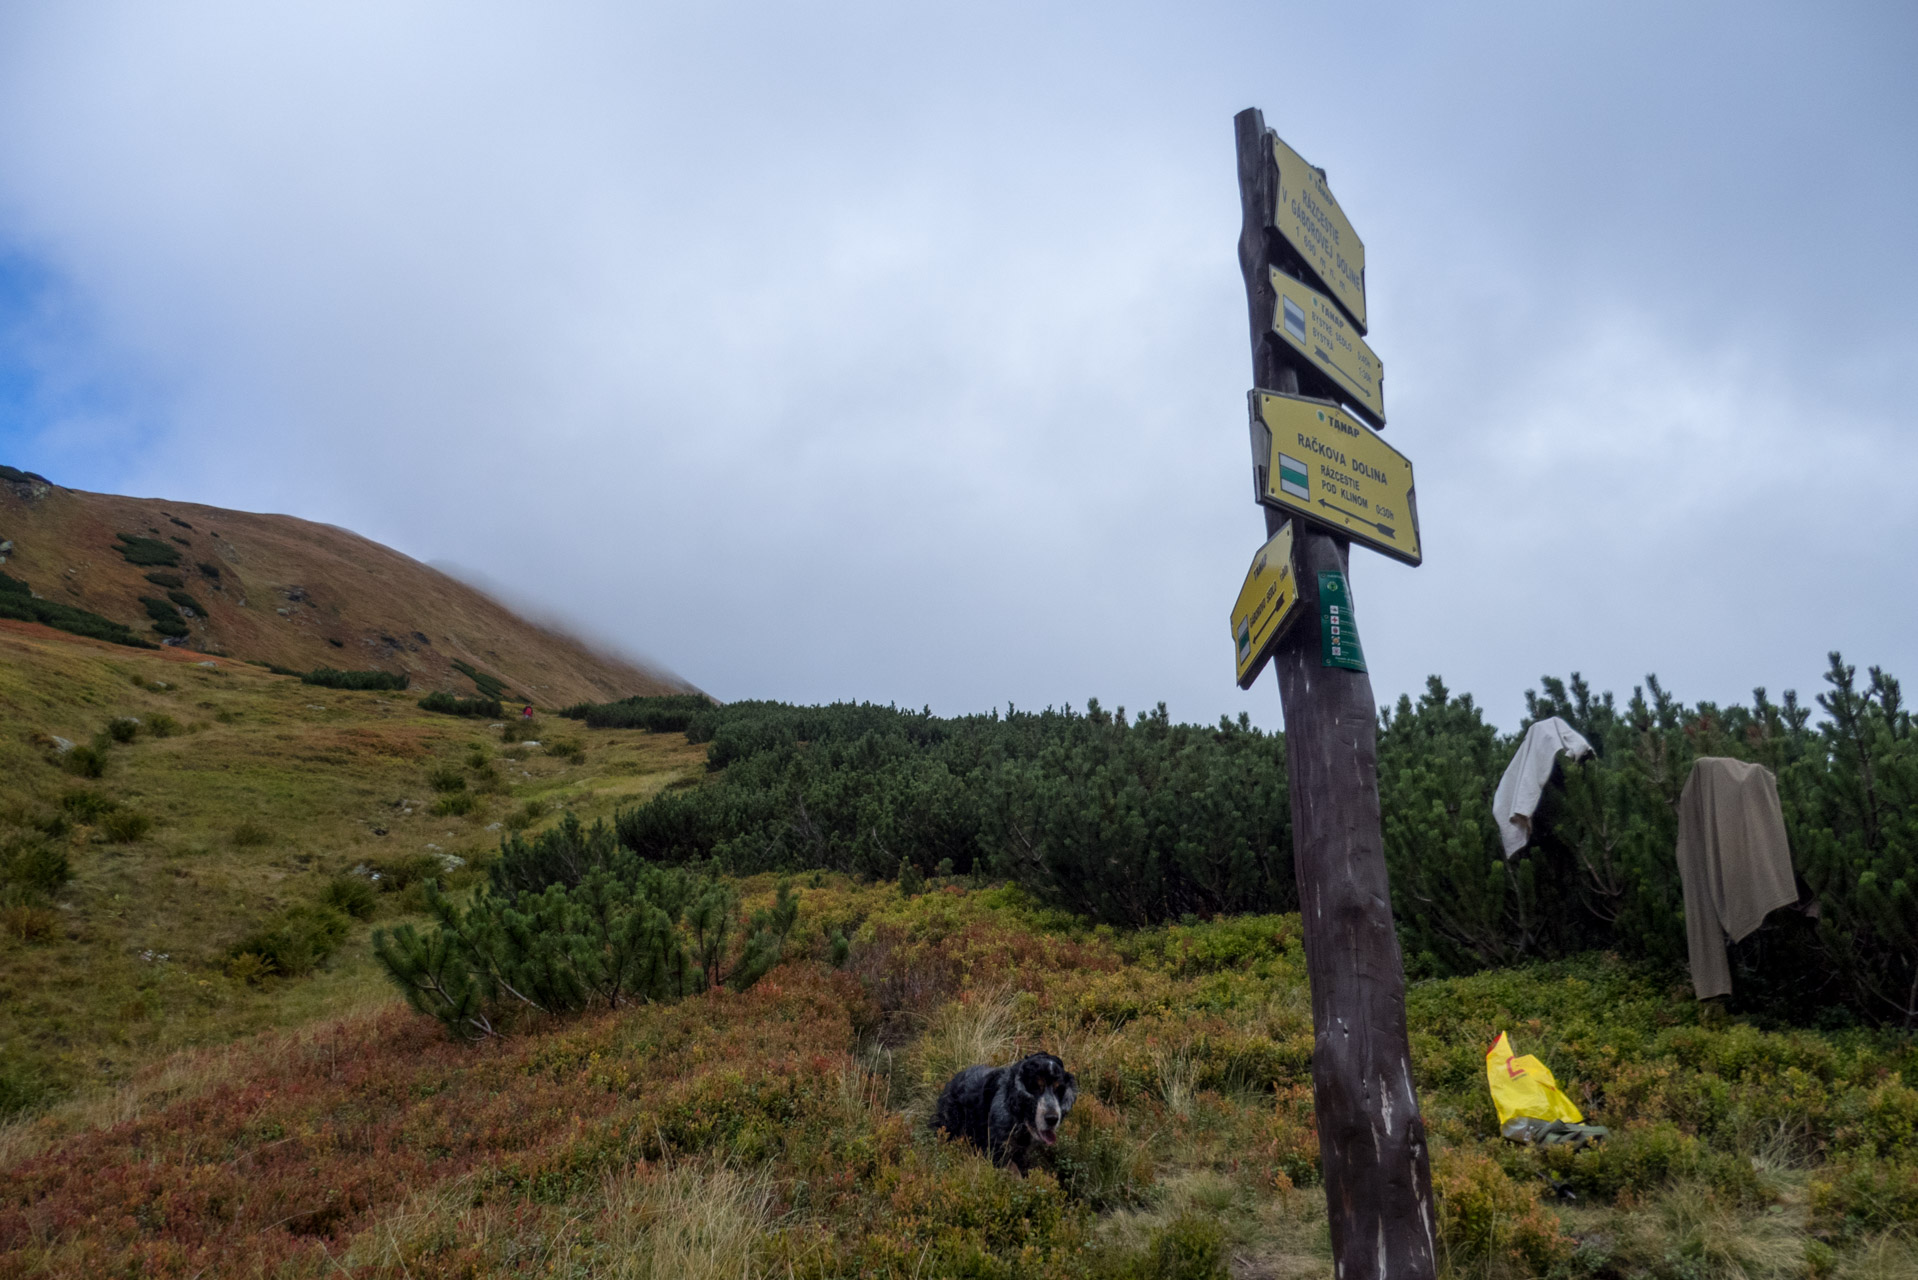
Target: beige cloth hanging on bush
<point>1734,860</point>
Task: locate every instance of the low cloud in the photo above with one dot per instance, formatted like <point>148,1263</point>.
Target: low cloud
<point>903,357</point>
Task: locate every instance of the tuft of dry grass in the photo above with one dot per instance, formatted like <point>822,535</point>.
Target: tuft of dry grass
<point>1174,1070</point>
<point>251,835</point>
<point>1890,1255</point>
<point>28,923</point>
<point>687,1221</point>
<point>1696,1233</point>
<point>978,1027</point>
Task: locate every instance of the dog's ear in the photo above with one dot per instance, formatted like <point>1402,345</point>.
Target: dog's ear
<point>1071,1088</point>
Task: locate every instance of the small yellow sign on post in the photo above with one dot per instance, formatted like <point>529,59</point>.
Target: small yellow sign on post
<point>1312,324</point>
<point>1265,605</point>
<point>1313,458</point>
<point>1313,224</point>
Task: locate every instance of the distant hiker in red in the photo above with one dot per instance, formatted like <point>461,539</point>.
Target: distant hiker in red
<point>526,714</point>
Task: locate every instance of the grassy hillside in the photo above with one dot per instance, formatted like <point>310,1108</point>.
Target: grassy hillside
<point>200,1115</point>
<point>240,796</point>
<point>291,592</point>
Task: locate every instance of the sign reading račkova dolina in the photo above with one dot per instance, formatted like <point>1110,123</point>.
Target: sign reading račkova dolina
<point>1265,605</point>
<point>1312,324</point>
<point>1311,221</point>
<point>1313,458</point>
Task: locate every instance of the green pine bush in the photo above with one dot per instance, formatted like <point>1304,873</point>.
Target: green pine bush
<point>668,713</point>
<point>18,603</point>
<point>624,932</point>
<point>292,944</point>
<point>147,552</point>
<point>448,704</point>
<point>329,678</point>
<point>490,687</point>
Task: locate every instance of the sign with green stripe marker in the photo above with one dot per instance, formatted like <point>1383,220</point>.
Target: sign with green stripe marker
<point>1312,458</point>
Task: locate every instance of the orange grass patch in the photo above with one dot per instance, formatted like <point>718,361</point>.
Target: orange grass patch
<point>288,1159</point>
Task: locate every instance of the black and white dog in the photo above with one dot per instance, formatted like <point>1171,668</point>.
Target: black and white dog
<point>1004,1110</point>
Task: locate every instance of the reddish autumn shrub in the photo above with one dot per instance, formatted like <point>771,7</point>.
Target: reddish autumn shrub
<point>302,1149</point>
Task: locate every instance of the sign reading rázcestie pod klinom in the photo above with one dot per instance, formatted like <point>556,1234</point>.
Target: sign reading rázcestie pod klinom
<point>1266,603</point>
<point>1313,224</point>
<point>1312,324</point>
<point>1313,458</point>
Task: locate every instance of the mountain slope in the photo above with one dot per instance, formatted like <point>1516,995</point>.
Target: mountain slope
<point>279,589</point>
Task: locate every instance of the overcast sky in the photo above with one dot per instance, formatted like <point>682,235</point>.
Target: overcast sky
<point>898,352</point>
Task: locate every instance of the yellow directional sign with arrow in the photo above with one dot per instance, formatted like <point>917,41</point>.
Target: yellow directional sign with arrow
<point>1312,324</point>
<point>1313,458</point>
<point>1265,605</point>
<point>1317,229</point>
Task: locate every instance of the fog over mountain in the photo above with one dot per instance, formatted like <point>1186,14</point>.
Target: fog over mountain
<point>899,353</point>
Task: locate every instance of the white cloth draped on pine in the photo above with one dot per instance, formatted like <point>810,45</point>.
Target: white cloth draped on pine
<point>1524,782</point>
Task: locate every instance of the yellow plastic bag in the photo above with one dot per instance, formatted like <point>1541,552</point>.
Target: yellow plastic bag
<point>1524,1087</point>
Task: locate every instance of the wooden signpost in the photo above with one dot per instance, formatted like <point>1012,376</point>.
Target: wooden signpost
<point>1378,1185</point>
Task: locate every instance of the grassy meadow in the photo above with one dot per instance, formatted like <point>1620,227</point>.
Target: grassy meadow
<point>240,796</point>
<point>194,1115</point>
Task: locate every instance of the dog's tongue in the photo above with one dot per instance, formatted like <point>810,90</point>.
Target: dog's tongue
<point>1049,1136</point>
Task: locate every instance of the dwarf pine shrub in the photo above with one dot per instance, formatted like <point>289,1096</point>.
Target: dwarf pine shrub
<point>292,944</point>
<point>490,687</point>
<point>1126,821</point>
<point>32,868</point>
<point>17,602</point>
<point>146,552</point>
<point>448,704</point>
<point>1139,821</point>
<point>668,713</point>
<point>350,895</point>
<point>455,804</point>
<point>85,761</point>
<point>572,921</point>
<point>329,678</point>
<point>166,619</point>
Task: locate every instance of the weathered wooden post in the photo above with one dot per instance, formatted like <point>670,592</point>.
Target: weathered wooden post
<point>1319,465</point>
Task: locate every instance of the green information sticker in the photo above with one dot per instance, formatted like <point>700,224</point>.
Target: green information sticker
<point>1338,633</point>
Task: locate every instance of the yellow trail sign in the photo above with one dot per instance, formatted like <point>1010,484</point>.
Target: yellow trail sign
<point>1313,224</point>
<point>1313,325</point>
<point>1266,603</point>
<point>1313,458</point>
